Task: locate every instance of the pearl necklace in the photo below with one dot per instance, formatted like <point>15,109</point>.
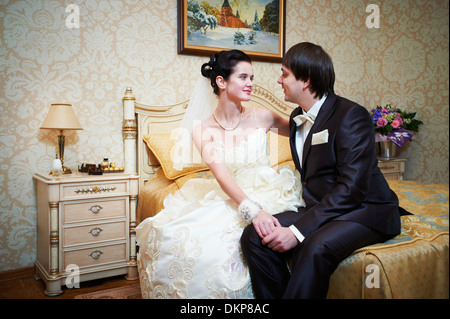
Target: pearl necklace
<point>226,128</point>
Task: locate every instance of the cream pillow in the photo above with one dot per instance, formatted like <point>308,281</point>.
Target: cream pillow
<point>279,149</point>
<point>161,144</point>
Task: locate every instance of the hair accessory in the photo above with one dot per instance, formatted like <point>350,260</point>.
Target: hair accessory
<point>249,209</point>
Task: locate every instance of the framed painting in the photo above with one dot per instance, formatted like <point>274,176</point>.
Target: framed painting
<point>256,27</point>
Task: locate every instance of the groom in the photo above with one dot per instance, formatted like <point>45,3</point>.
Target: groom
<point>348,201</point>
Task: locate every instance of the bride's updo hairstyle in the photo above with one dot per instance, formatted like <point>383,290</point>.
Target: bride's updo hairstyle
<point>222,64</point>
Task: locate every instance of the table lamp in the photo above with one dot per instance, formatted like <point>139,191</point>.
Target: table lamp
<point>61,117</point>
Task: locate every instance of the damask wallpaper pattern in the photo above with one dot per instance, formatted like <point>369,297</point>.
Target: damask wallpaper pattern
<point>134,43</point>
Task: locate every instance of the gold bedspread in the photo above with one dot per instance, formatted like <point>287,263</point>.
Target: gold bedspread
<point>414,264</point>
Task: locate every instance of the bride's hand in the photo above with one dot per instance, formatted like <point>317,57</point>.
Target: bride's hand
<point>265,223</point>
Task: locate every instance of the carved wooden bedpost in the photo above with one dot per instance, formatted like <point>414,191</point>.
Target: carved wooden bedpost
<point>130,167</point>
<point>129,132</point>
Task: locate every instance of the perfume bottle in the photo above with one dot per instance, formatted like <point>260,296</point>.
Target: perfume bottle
<point>57,166</point>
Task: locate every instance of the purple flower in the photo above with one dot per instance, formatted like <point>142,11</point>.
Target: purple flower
<point>376,115</point>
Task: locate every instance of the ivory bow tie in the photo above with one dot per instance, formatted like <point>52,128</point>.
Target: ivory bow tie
<point>302,118</point>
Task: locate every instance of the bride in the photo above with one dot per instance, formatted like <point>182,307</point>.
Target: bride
<point>191,248</point>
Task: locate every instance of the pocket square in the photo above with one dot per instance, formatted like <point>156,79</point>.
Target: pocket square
<point>320,137</point>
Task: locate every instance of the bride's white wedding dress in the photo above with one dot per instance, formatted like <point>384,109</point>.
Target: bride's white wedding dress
<point>191,248</point>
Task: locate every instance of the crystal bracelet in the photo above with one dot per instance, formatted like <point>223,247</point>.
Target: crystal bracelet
<point>249,209</point>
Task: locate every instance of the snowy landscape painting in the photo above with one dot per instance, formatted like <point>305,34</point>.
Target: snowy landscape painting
<point>253,26</point>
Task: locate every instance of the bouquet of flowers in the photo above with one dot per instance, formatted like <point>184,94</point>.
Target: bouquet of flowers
<point>394,124</point>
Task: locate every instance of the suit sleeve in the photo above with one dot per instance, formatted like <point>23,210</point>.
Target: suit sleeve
<point>354,159</point>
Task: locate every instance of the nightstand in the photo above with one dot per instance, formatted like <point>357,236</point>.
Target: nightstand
<point>392,168</point>
<point>85,227</point>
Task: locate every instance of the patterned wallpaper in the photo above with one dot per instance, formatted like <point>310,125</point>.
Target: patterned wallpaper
<point>133,43</point>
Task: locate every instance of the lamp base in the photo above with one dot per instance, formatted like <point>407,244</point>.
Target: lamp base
<point>66,170</point>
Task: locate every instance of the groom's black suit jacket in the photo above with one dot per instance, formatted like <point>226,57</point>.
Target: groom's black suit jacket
<point>341,179</point>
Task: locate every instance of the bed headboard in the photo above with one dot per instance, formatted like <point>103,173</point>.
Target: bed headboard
<point>140,119</point>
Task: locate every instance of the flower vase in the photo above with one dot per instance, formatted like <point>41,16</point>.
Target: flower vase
<point>387,150</point>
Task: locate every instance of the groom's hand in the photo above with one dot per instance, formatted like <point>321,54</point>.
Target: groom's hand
<point>281,239</point>
<point>265,223</point>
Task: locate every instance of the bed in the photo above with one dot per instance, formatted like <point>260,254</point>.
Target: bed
<point>414,264</point>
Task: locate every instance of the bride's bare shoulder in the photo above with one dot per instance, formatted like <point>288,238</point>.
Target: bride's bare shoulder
<point>264,117</point>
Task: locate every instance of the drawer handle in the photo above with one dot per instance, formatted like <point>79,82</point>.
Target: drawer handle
<point>96,254</point>
<point>95,231</point>
<point>387,167</point>
<point>95,189</point>
<point>96,209</point>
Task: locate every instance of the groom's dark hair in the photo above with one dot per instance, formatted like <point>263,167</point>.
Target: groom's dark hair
<point>309,61</point>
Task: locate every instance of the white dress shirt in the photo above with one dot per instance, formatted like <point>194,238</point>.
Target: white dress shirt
<point>303,130</point>
<point>300,137</point>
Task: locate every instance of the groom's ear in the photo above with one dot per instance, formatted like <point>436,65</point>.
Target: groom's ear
<point>221,83</point>
<point>306,85</point>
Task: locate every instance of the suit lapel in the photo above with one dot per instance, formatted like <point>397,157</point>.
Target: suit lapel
<point>324,114</point>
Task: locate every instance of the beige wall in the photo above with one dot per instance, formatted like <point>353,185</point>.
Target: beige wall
<point>134,43</point>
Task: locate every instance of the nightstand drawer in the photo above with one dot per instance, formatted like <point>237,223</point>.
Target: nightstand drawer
<point>94,189</point>
<point>390,166</point>
<point>391,176</point>
<point>94,233</point>
<point>93,210</point>
<point>96,255</point>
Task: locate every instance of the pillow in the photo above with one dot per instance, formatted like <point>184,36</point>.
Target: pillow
<point>279,148</point>
<point>161,145</point>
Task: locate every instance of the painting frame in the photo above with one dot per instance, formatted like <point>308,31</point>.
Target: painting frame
<point>190,48</point>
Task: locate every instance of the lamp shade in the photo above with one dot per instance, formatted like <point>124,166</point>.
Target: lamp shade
<point>61,117</point>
